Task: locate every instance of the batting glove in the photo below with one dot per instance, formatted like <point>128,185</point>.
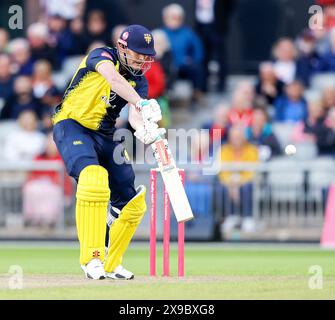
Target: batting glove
<point>149,133</point>
<point>150,110</point>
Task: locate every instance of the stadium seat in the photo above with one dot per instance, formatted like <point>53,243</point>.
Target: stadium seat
<point>63,77</point>
<point>60,80</point>
<point>285,180</point>
<point>70,66</point>
<point>283,132</point>
<point>306,151</point>
<point>322,172</point>
<point>320,176</point>
<point>6,127</point>
<point>323,80</point>
<point>181,90</point>
<point>312,94</point>
<point>234,80</point>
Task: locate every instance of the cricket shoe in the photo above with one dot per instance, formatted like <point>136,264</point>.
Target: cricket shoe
<point>120,273</point>
<point>94,270</point>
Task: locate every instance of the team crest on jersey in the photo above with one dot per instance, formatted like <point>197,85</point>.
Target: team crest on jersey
<point>147,37</point>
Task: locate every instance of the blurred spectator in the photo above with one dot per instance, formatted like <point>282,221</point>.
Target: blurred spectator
<point>22,100</point>
<point>44,190</point>
<point>241,111</point>
<point>6,78</point>
<point>260,102</point>
<point>328,12</point>
<point>217,128</point>
<point>78,40</point>
<point>46,92</point>
<point>321,34</point>
<point>268,85</point>
<point>4,38</point>
<point>94,45</point>
<point>60,37</point>
<point>309,129</point>
<point>46,125</point>
<point>164,56</point>
<point>236,186</point>
<point>50,153</point>
<point>157,78</point>
<point>260,133</point>
<point>44,88</point>
<point>199,152</point>
<point>116,32</point>
<point>327,63</point>
<point>292,106</point>
<point>326,138</point>
<point>212,18</point>
<point>96,28</point>
<point>285,55</point>
<point>38,37</point>
<point>115,11</point>
<point>247,89</point>
<point>20,53</point>
<point>186,47</point>
<point>67,9</point>
<point>157,88</point>
<point>308,61</point>
<point>328,98</point>
<point>27,142</point>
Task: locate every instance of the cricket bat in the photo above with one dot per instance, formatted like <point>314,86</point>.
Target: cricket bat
<point>172,181</point>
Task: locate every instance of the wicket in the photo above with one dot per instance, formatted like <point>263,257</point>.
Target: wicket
<point>166,229</point>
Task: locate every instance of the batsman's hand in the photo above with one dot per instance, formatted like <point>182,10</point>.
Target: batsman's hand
<point>150,110</point>
<point>149,132</point>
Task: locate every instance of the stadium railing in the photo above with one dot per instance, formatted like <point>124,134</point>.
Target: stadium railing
<point>13,177</point>
<point>285,195</point>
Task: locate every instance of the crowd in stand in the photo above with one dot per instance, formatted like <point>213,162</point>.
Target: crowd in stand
<point>65,29</point>
<point>278,99</point>
<point>68,29</point>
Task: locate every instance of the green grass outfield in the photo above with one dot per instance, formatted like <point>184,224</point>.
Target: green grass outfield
<point>216,271</point>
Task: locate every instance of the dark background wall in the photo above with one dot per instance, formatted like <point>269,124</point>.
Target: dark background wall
<point>254,25</point>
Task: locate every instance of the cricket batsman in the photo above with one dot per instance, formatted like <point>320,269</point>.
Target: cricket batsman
<point>84,124</point>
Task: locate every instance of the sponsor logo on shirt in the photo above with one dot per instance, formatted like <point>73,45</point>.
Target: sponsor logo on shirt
<point>106,54</point>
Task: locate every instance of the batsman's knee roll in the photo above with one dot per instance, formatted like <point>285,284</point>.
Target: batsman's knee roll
<point>91,210</point>
<point>123,229</point>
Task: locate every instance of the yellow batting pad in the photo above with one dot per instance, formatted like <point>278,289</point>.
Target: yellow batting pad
<point>123,229</point>
<point>91,212</point>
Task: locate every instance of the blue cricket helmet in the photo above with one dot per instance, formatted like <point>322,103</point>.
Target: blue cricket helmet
<point>138,39</point>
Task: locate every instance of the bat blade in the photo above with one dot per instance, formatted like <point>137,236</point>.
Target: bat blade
<point>177,195</point>
<point>173,184</point>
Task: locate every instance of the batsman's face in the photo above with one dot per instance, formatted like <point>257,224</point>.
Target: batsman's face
<point>138,61</point>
